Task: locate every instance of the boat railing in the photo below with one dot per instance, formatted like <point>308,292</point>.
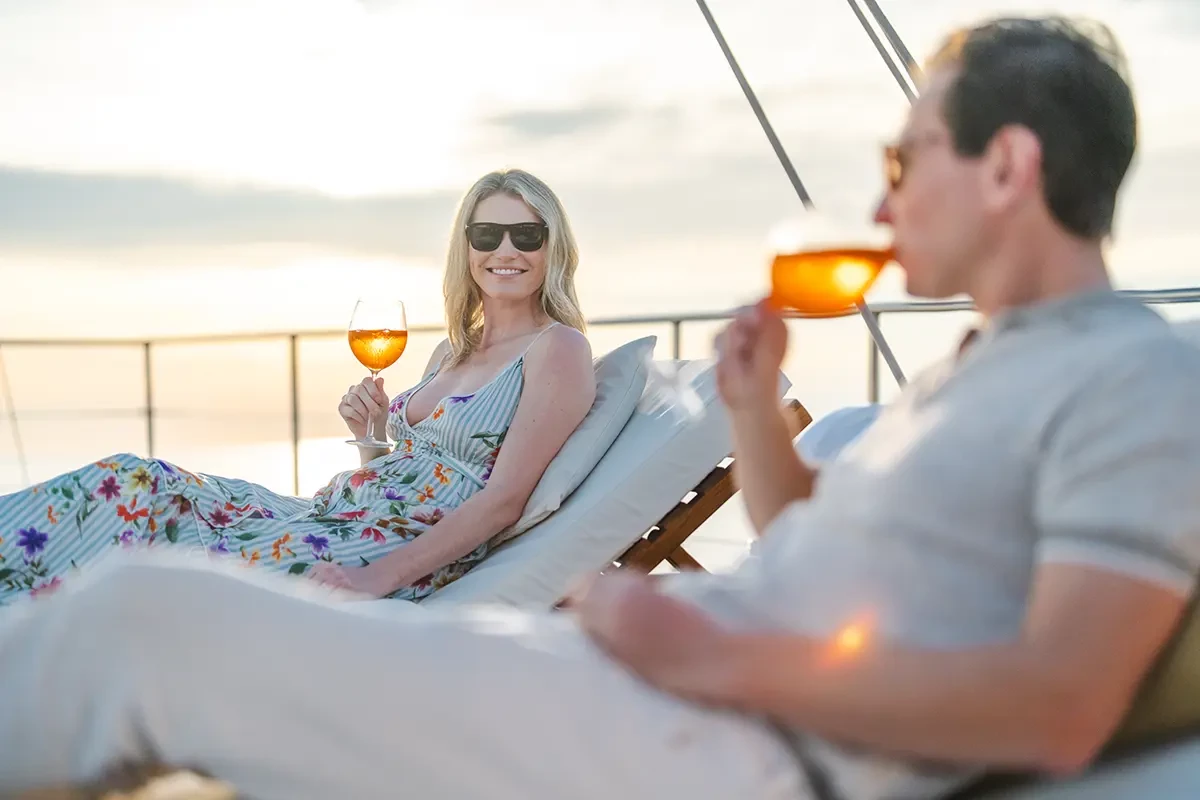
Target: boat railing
<point>674,322</point>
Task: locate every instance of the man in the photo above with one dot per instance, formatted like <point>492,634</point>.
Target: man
<point>980,581</point>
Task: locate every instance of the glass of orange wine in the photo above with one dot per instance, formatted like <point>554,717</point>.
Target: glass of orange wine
<point>824,267</point>
<point>378,334</point>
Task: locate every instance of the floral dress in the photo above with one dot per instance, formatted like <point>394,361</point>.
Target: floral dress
<point>50,531</point>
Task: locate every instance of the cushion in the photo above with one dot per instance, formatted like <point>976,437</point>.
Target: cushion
<point>1168,703</point>
<point>825,438</point>
<point>621,376</point>
<point>659,457</point>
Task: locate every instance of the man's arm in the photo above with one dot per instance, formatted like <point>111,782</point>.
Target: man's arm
<point>766,467</point>
<point>1116,510</point>
<point>1047,701</point>
<point>1116,507</point>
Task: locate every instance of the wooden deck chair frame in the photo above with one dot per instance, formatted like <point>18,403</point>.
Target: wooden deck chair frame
<point>664,541</point>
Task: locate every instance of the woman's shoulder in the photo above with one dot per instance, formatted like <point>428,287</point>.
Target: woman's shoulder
<point>560,346</point>
<point>438,356</point>
<point>559,364</point>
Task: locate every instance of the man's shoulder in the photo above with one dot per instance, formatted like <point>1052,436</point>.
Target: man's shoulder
<point>1146,380</point>
<point>1160,352</point>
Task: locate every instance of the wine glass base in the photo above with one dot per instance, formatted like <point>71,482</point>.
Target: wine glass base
<point>368,442</point>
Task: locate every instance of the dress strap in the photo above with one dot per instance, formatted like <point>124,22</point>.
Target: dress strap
<point>541,333</point>
<point>441,362</point>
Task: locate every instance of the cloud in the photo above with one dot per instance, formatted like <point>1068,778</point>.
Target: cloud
<point>62,212</point>
<point>553,123</point>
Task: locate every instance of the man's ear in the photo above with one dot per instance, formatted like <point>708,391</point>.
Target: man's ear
<point>1011,167</point>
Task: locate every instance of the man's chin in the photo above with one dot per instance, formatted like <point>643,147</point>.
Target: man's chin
<point>924,290</point>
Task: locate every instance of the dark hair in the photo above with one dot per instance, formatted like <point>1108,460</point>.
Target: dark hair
<point>1064,82</point>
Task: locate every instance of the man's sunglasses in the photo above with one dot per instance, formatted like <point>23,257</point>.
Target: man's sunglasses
<point>894,163</point>
<point>898,157</point>
<point>525,236</point>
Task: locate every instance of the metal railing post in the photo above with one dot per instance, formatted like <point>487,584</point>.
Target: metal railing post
<point>14,424</point>
<point>872,371</point>
<point>149,378</point>
<point>676,345</point>
<point>294,377</point>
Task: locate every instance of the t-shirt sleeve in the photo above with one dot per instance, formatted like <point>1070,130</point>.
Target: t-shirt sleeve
<point>1118,483</point>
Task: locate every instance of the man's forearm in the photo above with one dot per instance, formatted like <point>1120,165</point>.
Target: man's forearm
<point>768,471</point>
<point>1001,706</point>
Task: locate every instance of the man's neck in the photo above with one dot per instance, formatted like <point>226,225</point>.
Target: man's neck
<point>1045,271</point>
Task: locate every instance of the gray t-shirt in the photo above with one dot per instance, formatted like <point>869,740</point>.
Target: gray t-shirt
<point>1064,432</point>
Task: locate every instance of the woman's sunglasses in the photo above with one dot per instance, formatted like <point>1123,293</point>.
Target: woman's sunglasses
<point>526,236</point>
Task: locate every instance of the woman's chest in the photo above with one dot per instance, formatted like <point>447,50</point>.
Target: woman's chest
<point>453,386</point>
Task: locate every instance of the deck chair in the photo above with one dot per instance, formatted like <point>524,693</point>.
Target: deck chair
<point>658,482</point>
<point>663,476</point>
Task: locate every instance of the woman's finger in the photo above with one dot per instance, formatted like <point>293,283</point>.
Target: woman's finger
<point>367,397</point>
<point>359,406</point>
<point>378,392</point>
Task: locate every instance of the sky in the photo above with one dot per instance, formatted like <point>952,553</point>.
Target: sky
<point>214,166</point>
<point>173,166</point>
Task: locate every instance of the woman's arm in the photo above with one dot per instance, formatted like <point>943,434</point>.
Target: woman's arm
<point>366,454</point>
<point>560,387</point>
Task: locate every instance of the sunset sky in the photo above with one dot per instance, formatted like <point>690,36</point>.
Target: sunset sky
<point>186,166</point>
<point>215,165</point>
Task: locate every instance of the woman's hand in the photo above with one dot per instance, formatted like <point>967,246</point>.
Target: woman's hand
<point>365,402</point>
<point>368,580</point>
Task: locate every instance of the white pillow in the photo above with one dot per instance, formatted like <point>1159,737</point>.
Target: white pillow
<point>824,439</point>
<point>620,379</point>
<point>659,458</point>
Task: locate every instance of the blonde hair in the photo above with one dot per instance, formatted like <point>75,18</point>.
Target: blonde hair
<point>464,301</point>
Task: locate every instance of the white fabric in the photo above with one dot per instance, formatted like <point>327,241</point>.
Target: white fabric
<point>658,458</point>
<point>825,438</point>
<point>291,697</point>
<point>1165,773</point>
<point>1189,329</point>
<point>620,380</point>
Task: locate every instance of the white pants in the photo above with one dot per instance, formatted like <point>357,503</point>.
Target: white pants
<point>286,694</point>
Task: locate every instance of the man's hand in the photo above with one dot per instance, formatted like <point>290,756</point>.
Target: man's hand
<point>669,644</point>
<point>749,354</point>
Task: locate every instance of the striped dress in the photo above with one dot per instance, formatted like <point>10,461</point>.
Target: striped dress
<point>54,529</point>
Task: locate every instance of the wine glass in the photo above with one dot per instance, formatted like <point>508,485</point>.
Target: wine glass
<point>824,265</point>
<point>378,334</point>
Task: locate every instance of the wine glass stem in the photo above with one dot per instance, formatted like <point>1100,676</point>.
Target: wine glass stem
<point>371,435</point>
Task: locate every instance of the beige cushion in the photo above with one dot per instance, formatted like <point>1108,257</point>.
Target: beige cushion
<point>1169,701</point>
<point>659,457</point>
<point>621,376</point>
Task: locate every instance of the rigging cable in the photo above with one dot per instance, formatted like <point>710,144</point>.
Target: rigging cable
<point>868,315</point>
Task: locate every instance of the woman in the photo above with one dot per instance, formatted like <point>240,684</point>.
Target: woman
<point>499,398</point>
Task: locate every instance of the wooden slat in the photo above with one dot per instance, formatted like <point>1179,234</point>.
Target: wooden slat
<point>665,540</point>
<point>682,560</point>
<point>681,522</point>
